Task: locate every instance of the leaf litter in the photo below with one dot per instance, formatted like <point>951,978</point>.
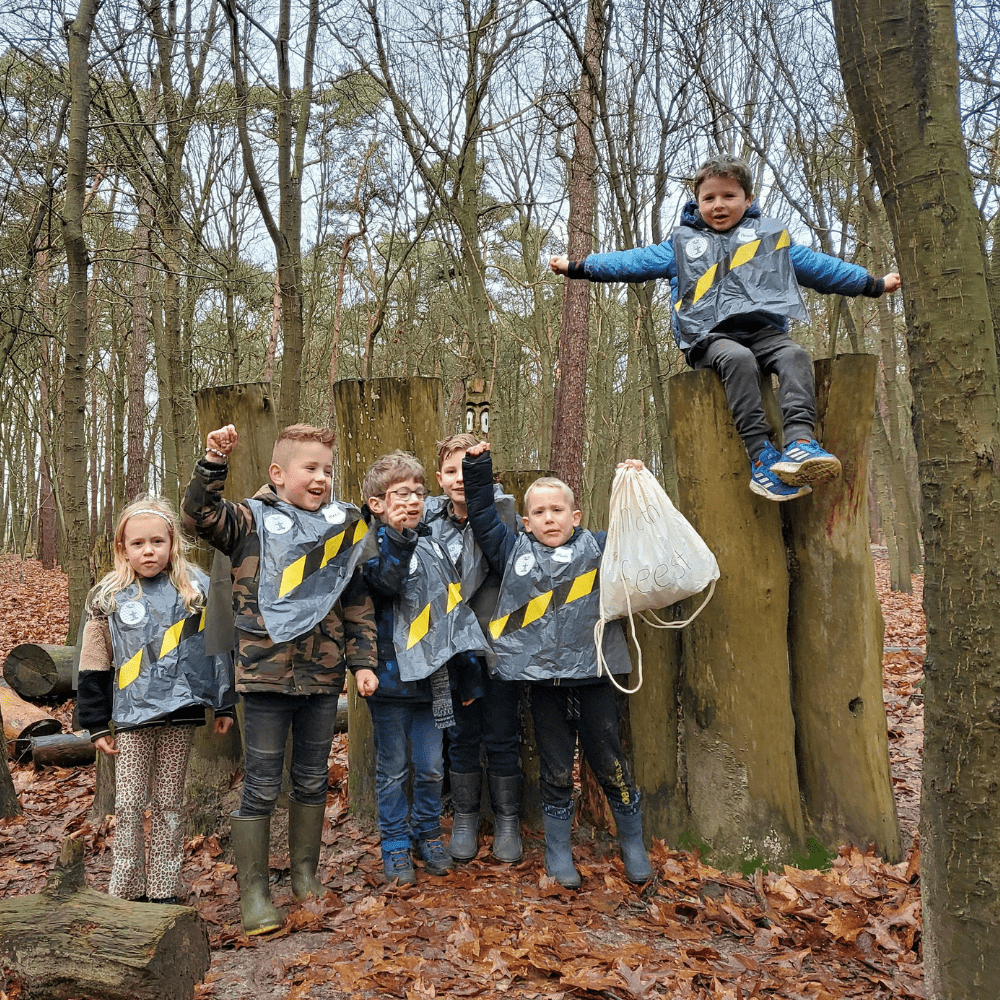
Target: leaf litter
<point>492,930</point>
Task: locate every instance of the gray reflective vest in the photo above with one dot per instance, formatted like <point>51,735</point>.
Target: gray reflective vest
<point>159,654</point>
<point>543,626</point>
<point>459,540</point>
<point>431,621</point>
<point>722,275</point>
<point>306,560</point>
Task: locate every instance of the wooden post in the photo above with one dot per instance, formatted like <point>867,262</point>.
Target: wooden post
<point>835,628</point>
<point>35,670</point>
<point>739,733</point>
<point>376,416</point>
<point>250,409</point>
<point>70,941</point>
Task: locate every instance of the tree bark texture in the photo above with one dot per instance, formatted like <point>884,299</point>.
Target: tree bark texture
<point>36,670</point>
<point>739,733</point>
<point>574,330</point>
<point>22,721</point>
<point>9,805</point>
<point>835,628</point>
<point>62,750</point>
<point>374,417</point>
<point>70,941</point>
<point>74,492</point>
<point>900,65</point>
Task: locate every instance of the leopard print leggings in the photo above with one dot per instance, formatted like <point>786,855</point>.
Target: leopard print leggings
<point>151,766</point>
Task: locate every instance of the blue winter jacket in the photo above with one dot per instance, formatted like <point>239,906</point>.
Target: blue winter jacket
<point>815,270</point>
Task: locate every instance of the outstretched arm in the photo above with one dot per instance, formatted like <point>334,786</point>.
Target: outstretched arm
<point>494,537</point>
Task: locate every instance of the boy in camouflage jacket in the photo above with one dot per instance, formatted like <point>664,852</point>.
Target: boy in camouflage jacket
<point>303,616</point>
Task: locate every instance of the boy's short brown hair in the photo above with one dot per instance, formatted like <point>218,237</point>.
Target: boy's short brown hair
<point>453,443</point>
<point>299,434</point>
<point>389,469</point>
<point>725,166</point>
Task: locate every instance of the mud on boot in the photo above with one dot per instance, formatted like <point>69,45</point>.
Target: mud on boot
<point>251,837</point>
<point>305,830</point>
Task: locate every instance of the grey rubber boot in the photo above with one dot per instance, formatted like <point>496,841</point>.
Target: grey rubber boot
<point>305,829</point>
<point>637,866</point>
<point>465,792</point>
<point>251,845</point>
<point>505,794</point>
<point>559,850</point>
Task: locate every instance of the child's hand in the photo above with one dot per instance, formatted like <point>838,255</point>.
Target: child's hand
<point>106,744</point>
<point>892,282</point>
<point>560,265</point>
<point>631,463</point>
<point>479,448</point>
<point>220,443</point>
<point>366,682</point>
<point>222,724</point>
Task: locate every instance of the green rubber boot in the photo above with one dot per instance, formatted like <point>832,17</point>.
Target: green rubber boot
<point>305,829</point>
<point>251,840</point>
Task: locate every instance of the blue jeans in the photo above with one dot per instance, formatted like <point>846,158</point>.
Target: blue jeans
<point>266,719</point>
<point>393,723</point>
<point>491,721</point>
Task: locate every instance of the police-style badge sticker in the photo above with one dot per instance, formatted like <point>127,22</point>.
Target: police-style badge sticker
<point>524,564</point>
<point>746,235</point>
<point>333,513</point>
<point>277,523</point>
<point>132,612</point>
<point>563,554</point>
<point>696,247</point>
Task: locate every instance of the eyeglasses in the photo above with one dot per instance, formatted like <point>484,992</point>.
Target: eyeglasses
<point>404,494</point>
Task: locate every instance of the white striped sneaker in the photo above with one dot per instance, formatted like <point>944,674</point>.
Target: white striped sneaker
<point>805,462</point>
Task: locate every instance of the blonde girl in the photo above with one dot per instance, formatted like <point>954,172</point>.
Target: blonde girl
<point>145,681</point>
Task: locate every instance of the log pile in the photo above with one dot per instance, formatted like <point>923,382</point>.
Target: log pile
<point>35,670</point>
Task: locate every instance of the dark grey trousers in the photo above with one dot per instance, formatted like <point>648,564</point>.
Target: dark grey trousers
<point>740,359</point>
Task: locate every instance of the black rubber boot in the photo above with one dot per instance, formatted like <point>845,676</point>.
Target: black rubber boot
<point>559,850</point>
<point>465,792</point>
<point>305,830</point>
<point>637,866</point>
<point>505,794</point>
<point>251,845</point>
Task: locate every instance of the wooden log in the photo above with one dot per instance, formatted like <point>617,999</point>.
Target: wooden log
<point>22,720</point>
<point>835,628</point>
<point>35,670</point>
<point>62,750</point>
<point>9,804</point>
<point>70,941</point>
<point>739,733</point>
<point>376,416</point>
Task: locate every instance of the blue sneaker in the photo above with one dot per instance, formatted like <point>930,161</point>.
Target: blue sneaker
<point>437,860</point>
<point>804,462</point>
<point>396,862</point>
<point>765,483</point>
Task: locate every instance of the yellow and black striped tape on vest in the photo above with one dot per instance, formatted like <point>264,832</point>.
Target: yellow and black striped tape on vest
<point>421,625</point>
<point>317,558</point>
<point>154,650</point>
<point>746,253</point>
<point>565,593</point>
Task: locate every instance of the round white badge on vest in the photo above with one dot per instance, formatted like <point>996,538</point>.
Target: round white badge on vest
<point>132,612</point>
<point>277,523</point>
<point>746,235</point>
<point>696,247</point>
<point>455,549</point>
<point>334,513</point>
<point>414,563</point>
<point>563,554</point>
<point>524,564</point>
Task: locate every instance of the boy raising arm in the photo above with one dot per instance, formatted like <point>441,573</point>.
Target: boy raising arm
<point>734,279</point>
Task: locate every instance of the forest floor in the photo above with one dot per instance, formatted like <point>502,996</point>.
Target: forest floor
<point>491,930</point>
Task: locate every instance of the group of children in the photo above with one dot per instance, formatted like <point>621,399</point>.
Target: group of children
<point>443,608</point>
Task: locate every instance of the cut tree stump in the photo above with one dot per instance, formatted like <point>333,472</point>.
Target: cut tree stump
<point>35,670</point>
<point>70,941</point>
<point>22,721</point>
<point>62,750</point>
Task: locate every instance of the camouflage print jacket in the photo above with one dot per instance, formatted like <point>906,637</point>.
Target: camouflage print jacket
<point>315,662</point>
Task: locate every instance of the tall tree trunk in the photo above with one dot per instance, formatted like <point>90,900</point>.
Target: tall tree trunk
<point>571,386</point>
<point>900,64</point>
<point>77,563</point>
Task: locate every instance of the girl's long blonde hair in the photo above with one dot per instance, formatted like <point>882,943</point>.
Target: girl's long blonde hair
<point>123,576</point>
